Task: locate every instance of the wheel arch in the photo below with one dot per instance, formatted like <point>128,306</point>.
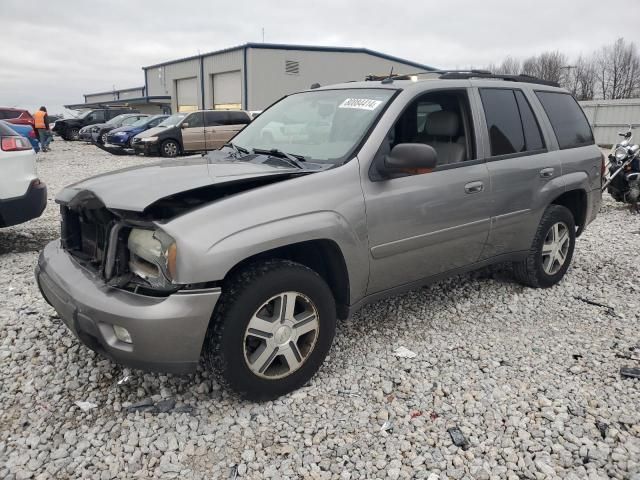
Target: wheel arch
<point>323,256</point>
<point>576,202</point>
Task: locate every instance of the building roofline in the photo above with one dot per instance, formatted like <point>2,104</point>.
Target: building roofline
<point>113,91</point>
<point>138,100</point>
<point>284,46</point>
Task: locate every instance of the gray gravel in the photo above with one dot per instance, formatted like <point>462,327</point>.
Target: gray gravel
<point>531,377</point>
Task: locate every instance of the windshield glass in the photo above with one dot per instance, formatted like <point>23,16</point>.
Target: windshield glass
<point>142,122</point>
<point>173,120</point>
<point>117,120</point>
<point>322,125</point>
<point>85,114</point>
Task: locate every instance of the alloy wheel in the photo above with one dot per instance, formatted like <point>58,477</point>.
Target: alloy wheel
<point>555,248</point>
<point>281,335</point>
<point>170,149</point>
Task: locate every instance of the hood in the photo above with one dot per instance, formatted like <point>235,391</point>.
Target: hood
<point>136,188</point>
<point>127,129</point>
<point>152,131</point>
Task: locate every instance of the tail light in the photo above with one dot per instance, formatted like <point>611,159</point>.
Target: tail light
<point>12,144</point>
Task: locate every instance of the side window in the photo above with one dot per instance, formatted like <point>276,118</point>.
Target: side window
<point>195,120</point>
<point>567,119</point>
<point>98,115</point>
<point>532,135</point>
<point>503,121</point>
<point>439,119</point>
<point>215,118</point>
<point>155,123</point>
<point>238,118</point>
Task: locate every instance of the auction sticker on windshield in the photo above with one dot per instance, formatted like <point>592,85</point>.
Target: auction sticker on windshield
<point>360,103</point>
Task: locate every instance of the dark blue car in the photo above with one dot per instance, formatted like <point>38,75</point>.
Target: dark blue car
<point>122,136</point>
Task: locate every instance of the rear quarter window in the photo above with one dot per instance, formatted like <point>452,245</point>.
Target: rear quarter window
<point>567,119</point>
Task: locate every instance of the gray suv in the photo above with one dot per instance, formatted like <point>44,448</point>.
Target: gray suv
<point>246,256</point>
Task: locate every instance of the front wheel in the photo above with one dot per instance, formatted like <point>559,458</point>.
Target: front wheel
<point>169,148</point>
<point>271,330</point>
<point>74,134</point>
<point>551,250</point>
<point>103,138</point>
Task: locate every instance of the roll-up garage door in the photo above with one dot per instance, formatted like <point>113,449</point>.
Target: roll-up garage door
<point>187,94</point>
<point>227,91</point>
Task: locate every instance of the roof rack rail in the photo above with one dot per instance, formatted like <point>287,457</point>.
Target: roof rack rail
<point>463,74</point>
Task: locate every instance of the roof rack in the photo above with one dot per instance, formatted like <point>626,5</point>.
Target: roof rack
<point>461,75</point>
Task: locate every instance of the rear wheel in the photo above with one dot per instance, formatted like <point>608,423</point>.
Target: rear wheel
<point>551,250</point>
<point>169,148</point>
<point>271,329</point>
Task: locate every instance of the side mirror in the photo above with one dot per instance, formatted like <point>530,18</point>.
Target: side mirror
<point>410,156</point>
<point>184,125</point>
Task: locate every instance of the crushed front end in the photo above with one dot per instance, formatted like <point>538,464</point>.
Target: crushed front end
<point>110,280</point>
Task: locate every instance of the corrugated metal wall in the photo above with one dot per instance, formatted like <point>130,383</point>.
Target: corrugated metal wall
<point>608,117</point>
<point>231,61</point>
<point>269,80</point>
<point>115,95</point>
<point>162,80</point>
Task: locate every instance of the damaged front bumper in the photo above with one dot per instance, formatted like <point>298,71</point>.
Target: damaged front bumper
<point>166,333</point>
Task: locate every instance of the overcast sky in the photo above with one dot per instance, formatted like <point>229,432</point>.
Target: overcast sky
<point>54,51</point>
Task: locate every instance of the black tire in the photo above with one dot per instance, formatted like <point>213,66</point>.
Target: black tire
<point>103,139</point>
<point>169,149</point>
<point>74,134</point>
<point>531,271</point>
<point>225,346</point>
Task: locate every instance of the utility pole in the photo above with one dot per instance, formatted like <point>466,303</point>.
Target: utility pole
<point>262,34</point>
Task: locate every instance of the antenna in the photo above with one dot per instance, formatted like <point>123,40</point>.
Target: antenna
<point>389,79</point>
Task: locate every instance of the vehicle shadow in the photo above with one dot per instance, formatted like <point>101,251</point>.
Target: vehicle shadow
<point>34,240</point>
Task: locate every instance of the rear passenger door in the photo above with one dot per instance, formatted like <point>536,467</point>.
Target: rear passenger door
<point>193,136</point>
<point>521,167</point>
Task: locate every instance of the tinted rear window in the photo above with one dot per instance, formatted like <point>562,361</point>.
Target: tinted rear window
<point>503,121</point>
<point>532,135</point>
<point>6,114</point>
<point>567,119</point>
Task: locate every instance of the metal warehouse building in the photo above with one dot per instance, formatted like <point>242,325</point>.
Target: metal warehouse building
<point>254,75</point>
<point>135,97</point>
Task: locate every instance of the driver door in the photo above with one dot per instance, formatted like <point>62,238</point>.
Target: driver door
<point>423,225</point>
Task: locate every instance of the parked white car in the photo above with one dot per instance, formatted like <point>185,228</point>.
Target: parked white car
<point>22,195</point>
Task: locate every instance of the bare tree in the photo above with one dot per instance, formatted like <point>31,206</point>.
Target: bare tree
<point>509,66</point>
<point>618,67</point>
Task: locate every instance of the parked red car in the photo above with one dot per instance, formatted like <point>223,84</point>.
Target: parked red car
<point>17,116</point>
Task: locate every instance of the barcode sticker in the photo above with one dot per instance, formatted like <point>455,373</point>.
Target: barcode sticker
<point>360,103</point>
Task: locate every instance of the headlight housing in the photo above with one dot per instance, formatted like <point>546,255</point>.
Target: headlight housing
<point>621,153</point>
<point>149,139</point>
<point>152,257</point>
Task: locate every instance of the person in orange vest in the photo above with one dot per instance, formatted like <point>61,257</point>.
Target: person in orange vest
<point>42,128</point>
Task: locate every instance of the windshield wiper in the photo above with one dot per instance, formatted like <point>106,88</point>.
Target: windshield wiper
<point>293,159</point>
<point>237,148</point>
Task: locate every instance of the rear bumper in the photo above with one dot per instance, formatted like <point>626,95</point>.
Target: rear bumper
<point>167,332</point>
<point>26,207</point>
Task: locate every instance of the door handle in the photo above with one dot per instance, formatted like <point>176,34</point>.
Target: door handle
<point>474,187</point>
<point>547,172</point>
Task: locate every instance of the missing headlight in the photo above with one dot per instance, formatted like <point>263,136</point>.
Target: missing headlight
<point>152,257</point>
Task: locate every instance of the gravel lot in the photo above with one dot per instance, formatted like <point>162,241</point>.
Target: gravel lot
<point>531,377</point>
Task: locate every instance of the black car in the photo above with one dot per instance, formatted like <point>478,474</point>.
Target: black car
<point>69,128</point>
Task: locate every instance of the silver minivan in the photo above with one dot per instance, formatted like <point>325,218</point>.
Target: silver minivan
<point>198,131</point>
<point>332,198</point>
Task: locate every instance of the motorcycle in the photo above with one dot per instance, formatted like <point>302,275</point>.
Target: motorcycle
<point>622,180</point>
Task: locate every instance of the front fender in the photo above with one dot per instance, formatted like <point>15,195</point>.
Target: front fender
<point>220,257</point>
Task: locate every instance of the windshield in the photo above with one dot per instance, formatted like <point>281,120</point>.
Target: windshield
<point>322,125</point>
<point>143,121</point>
<point>85,114</point>
<point>173,120</point>
<point>117,120</point>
